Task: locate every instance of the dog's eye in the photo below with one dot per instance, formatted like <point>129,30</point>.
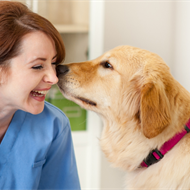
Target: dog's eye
<point>107,65</point>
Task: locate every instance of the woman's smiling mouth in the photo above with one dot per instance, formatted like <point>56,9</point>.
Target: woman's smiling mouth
<point>39,95</point>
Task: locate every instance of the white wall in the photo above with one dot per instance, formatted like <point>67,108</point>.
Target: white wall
<point>144,24</point>
<point>181,66</point>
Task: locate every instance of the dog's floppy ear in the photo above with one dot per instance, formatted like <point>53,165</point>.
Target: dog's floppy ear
<point>154,108</point>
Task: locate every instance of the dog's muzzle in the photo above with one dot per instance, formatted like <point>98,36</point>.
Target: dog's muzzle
<point>61,70</point>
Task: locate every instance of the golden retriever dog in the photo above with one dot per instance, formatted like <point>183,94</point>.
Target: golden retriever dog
<point>145,113</point>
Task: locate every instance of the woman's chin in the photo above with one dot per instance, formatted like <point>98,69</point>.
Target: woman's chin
<point>35,108</point>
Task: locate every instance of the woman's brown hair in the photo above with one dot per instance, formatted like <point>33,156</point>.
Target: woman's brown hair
<point>16,20</point>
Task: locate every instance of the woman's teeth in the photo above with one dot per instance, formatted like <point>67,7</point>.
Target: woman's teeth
<point>39,93</point>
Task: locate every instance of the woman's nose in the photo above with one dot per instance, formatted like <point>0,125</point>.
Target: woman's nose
<point>50,76</point>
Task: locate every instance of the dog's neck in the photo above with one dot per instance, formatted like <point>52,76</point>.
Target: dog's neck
<point>118,143</point>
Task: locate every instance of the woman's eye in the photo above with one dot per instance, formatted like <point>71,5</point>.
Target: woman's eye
<point>55,63</point>
<point>37,67</point>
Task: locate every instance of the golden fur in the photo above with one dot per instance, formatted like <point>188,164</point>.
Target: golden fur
<point>142,106</point>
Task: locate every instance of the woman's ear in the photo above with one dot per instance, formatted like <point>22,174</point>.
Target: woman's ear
<point>4,72</point>
<point>155,112</point>
<point>1,75</point>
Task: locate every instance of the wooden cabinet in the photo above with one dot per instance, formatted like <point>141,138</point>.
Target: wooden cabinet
<point>67,16</point>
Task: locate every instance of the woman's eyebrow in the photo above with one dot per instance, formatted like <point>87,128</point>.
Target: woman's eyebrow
<point>38,58</point>
<point>42,59</point>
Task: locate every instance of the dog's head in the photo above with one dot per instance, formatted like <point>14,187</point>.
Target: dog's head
<point>125,83</point>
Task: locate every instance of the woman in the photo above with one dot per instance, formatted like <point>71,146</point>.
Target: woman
<point>36,150</point>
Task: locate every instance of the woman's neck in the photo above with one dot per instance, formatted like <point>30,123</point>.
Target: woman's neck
<point>5,120</point>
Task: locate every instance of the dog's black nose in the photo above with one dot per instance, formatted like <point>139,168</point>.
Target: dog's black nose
<point>61,70</point>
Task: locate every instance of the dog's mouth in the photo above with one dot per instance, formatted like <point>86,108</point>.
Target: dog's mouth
<point>89,102</point>
<point>84,100</point>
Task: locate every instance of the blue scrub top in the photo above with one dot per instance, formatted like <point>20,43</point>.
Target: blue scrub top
<point>37,152</point>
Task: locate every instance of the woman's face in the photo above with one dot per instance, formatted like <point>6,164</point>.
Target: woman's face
<point>32,73</point>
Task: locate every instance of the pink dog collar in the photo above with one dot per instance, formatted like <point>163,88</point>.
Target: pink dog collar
<point>156,155</point>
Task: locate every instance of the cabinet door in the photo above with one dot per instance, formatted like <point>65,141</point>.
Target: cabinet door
<point>87,148</point>
<point>87,151</point>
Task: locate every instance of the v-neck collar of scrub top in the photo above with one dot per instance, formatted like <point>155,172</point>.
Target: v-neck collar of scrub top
<point>11,134</point>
